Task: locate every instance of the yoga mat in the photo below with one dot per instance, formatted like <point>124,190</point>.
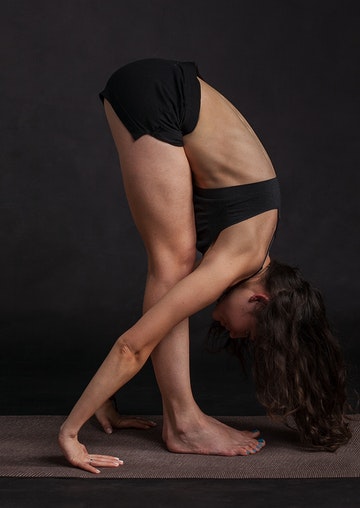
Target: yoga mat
<point>28,448</point>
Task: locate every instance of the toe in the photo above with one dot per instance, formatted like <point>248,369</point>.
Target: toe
<point>259,446</point>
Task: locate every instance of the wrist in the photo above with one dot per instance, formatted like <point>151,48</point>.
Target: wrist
<point>66,431</point>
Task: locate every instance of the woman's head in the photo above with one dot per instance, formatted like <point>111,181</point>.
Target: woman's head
<point>297,362</point>
<point>236,309</point>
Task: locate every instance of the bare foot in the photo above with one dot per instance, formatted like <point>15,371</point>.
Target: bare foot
<point>208,436</point>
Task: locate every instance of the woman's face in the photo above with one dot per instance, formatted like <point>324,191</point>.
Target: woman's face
<point>235,312</point>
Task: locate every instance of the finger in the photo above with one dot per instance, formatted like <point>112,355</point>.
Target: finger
<point>90,468</point>
<point>86,466</point>
<point>105,423</point>
<point>150,423</point>
<point>105,461</point>
<point>135,423</point>
<point>105,457</point>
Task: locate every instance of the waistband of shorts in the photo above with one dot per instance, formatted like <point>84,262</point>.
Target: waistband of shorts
<point>234,190</point>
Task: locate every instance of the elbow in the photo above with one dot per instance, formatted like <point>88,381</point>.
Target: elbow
<point>125,349</point>
<point>131,355</point>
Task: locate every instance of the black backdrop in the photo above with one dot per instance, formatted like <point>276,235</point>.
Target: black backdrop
<point>72,265</point>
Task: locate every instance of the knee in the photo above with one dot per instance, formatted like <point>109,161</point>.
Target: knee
<point>182,260</point>
<point>171,265</point>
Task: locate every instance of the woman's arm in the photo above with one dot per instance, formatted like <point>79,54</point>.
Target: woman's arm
<point>129,353</point>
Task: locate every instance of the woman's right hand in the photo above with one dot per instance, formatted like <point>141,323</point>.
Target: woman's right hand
<point>109,419</point>
<point>77,454</point>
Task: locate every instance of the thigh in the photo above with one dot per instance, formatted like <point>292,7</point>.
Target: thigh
<point>158,184</point>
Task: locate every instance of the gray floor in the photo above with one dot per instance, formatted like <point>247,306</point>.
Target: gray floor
<point>19,493</point>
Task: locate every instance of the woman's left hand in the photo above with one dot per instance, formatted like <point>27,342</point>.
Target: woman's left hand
<point>77,454</point>
<point>109,418</point>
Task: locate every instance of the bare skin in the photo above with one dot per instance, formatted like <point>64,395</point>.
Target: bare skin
<point>109,419</point>
<point>235,311</point>
<point>221,151</point>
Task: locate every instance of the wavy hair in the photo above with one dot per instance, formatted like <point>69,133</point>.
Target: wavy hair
<point>298,366</point>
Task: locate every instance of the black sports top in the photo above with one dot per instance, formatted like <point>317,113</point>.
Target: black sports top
<point>217,209</point>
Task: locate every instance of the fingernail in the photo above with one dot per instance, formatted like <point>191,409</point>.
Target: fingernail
<point>255,430</point>
<point>261,441</point>
<point>108,430</point>
<point>153,423</point>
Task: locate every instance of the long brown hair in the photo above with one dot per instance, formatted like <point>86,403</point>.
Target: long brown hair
<point>298,366</point>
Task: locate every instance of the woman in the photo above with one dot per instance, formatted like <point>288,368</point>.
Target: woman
<point>196,176</point>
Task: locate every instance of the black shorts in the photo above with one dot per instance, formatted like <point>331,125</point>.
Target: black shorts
<point>156,97</point>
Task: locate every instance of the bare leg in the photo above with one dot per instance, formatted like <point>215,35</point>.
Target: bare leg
<point>158,185</point>
<point>186,428</point>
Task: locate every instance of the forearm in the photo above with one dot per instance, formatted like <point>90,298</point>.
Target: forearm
<point>132,349</point>
<point>125,359</point>
<point>120,365</point>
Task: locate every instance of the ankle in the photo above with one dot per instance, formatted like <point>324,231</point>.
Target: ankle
<point>182,420</point>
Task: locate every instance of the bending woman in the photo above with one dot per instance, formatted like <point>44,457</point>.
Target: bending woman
<point>197,177</point>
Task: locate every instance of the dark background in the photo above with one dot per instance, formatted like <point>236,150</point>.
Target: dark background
<point>72,265</point>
